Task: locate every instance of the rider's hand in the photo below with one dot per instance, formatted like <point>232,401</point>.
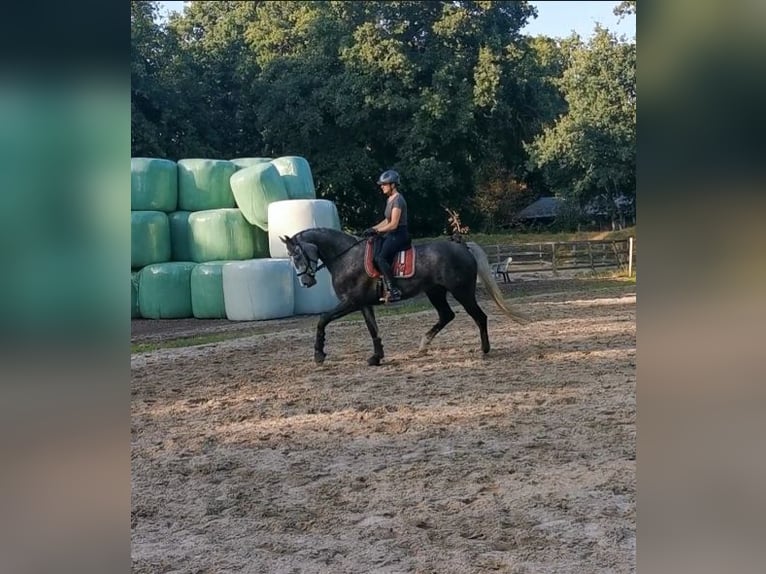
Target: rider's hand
<point>369,232</point>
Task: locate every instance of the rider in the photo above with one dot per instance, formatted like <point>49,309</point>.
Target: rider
<point>391,234</point>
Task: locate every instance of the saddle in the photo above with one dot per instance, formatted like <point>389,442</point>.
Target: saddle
<point>403,266</point>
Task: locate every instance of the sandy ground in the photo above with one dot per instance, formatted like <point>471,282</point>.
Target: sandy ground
<point>246,457</point>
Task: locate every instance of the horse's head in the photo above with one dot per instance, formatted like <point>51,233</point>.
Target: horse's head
<point>305,258</point>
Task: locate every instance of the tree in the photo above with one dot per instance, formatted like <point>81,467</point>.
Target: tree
<point>624,8</point>
<point>447,93</point>
<point>366,86</point>
<point>147,46</point>
<point>588,156</point>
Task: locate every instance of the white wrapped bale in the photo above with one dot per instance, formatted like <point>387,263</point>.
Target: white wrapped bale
<point>204,184</point>
<point>258,289</point>
<point>254,189</point>
<point>318,298</point>
<point>218,234</point>
<point>165,290</point>
<point>294,215</point>
<point>296,173</point>
<point>153,184</point>
<point>149,238</point>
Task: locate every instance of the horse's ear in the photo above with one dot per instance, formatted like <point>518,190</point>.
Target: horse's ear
<point>286,240</point>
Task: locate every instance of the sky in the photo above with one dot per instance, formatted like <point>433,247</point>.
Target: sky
<point>556,19</point>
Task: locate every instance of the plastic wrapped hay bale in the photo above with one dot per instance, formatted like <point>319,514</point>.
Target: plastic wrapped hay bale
<point>258,289</point>
<point>294,215</point>
<point>204,184</point>
<point>260,242</point>
<point>296,173</point>
<point>165,291</point>
<point>318,298</point>
<point>219,234</point>
<point>180,236</point>
<point>207,290</point>
<point>254,189</point>
<point>134,285</point>
<point>153,184</point>
<point>149,238</point>
<point>243,162</point>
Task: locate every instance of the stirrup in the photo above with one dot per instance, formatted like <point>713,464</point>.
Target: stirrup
<point>391,296</point>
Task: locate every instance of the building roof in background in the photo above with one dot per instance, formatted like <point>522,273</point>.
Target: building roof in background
<point>545,207</point>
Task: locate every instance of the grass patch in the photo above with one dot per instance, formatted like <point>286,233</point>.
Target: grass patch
<point>511,238</point>
<point>189,341</point>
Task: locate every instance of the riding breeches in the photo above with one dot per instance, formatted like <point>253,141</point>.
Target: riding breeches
<point>388,246</point>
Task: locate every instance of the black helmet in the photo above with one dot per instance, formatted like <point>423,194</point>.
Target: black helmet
<point>388,176</point>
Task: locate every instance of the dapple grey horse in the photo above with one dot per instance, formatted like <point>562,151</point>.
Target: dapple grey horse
<point>442,266</point>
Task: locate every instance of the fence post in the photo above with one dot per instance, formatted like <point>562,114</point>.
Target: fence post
<point>630,257</point>
<point>553,257</point>
<point>590,256</point>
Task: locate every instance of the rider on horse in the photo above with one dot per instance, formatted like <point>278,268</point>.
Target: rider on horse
<point>390,234</point>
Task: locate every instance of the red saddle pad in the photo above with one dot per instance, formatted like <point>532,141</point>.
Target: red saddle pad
<point>403,266</point>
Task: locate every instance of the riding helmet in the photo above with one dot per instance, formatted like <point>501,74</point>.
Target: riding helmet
<point>388,176</point>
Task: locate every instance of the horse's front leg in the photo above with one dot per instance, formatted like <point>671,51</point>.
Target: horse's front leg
<point>372,327</point>
<point>344,308</point>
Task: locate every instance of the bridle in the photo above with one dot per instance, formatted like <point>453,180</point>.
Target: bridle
<point>311,264</point>
<point>312,268</point>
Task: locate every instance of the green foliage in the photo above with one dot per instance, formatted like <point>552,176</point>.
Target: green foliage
<point>447,93</point>
<point>588,156</point>
<point>624,8</point>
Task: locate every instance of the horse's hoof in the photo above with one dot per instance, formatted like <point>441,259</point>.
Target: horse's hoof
<point>319,358</point>
<point>422,352</point>
<point>373,361</point>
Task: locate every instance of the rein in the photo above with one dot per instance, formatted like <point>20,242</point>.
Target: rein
<point>357,242</point>
<point>312,262</point>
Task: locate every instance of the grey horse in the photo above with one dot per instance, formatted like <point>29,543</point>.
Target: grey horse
<point>443,266</point>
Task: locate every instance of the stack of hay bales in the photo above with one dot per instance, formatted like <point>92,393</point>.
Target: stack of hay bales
<point>201,245</point>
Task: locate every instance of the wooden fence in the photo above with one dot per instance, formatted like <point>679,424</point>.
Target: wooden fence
<point>557,256</point>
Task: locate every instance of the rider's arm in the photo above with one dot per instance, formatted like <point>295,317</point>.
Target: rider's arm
<point>385,225</point>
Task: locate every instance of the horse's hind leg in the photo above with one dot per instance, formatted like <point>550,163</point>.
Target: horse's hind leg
<point>468,301</point>
<point>438,297</point>
<point>372,327</point>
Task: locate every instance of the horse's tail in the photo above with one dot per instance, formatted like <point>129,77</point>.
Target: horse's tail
<point>485,273</point>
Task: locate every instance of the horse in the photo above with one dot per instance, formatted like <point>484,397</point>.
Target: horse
<point>443,266</point>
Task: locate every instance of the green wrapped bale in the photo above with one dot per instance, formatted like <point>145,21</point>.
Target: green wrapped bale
<point>220,234</point>
<point>254,189</point>
<point>260,242</point>
<point>149,238</point>
<point>134,285</point>
<point>180,236</point>
<point>204,184</point>
<point>165,291</point>
<point>243,162</point>
<point>296,173</point>
<point>153,184</point>
<point>207,290</point>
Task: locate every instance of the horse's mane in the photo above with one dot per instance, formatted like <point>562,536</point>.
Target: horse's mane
<point>346,239</point>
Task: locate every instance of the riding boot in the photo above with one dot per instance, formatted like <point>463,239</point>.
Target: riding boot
<point>392,291</point>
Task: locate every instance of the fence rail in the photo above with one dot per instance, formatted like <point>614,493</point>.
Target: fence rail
<point>557,256</point>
